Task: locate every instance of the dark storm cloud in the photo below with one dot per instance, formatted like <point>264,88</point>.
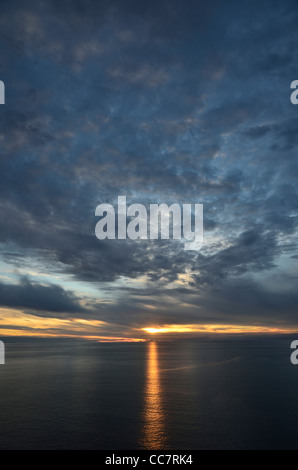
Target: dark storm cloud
<point>49,298</point>
<point>252,252</point>
<point>162,102</point>
<point>246,300</point>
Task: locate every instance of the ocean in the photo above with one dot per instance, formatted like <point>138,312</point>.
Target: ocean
<point>238,393</point>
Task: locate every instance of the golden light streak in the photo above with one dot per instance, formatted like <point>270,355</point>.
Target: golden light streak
<point>17,323</point>
<point>38,334</point>
<point>219,329</point>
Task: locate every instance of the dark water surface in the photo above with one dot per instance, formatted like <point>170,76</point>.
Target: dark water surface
<point>223,394</point>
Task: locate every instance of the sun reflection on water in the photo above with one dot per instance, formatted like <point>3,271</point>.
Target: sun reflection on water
<point>153,435</point>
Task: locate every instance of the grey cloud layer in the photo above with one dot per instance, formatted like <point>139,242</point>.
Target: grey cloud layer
<point>162,102</point>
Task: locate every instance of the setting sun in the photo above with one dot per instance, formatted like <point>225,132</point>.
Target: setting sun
<point>218,329</point>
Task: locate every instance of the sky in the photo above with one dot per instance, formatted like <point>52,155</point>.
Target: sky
<point>163,102</point>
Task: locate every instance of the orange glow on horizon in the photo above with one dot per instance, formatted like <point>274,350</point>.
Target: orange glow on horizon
<point>102,339</point>
<point>20,324</point>
<point>217,328</point>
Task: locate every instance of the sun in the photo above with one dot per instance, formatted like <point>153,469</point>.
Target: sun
<point>153,330</point>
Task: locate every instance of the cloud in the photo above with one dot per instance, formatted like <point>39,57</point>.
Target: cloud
<point>163,103</point>
<point>257,132</point>
<point>40,298</point>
